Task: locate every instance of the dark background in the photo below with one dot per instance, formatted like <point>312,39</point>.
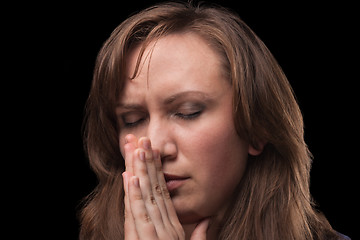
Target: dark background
<point>314,44</point>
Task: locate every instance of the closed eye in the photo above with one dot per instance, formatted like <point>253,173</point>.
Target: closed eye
<point>189,110</point>
<point>188,116</point>
<point>133,124</point>
<point>132,119</point>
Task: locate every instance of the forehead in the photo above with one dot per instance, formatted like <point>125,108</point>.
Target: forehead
<point>177,62</point>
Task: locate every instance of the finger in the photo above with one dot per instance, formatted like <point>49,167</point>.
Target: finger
<point>140,170</point>
<point>144,226</point>
<point>129,147</point>
<point>130,138</point>
<point>200,231</point>
<point>170,209</point>
<point>129,225</point>
<point>150,156</point>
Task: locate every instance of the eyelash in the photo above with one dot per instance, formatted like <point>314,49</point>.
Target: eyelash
<point>133,124</point>
<point>182,116</point>
<point>188,116</point>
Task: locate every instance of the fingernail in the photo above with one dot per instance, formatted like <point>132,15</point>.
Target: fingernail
<point>142,155</point>
<point>127,139</point>
<point>146,143</point>
<point>124,178</point>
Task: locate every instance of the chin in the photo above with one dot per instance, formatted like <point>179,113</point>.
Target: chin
<point>192,209</point>
<point>190,218</point>
<point>188,214</point>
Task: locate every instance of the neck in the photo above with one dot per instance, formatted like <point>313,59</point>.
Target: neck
<point>212,232</point>
<point>188,228</point>
<point>214,228</point>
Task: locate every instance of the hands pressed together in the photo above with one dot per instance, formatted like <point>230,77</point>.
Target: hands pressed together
<point>149,211</point>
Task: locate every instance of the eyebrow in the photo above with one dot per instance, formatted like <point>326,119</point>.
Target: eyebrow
<point>129,106</point>
<point>168,100</point>
<point>180,95</point>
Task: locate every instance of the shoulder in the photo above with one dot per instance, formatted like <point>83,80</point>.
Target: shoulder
<point>343,237</point>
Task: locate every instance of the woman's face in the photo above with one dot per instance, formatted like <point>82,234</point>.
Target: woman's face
<point>183,103</point>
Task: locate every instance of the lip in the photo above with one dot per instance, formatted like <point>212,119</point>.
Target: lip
<point>174,181</point>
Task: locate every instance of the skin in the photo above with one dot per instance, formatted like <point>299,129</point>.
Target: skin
<point>176,118</point>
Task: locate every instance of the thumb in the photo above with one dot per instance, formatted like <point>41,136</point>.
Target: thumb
<point>200,230</point>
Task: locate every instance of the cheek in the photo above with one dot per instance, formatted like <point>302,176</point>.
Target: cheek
<point>216,152</point>
<point>217,159</point>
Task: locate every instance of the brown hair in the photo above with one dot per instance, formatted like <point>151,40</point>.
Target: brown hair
<point>273,199</point>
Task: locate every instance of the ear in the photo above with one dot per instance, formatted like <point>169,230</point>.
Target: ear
<point>256,150</point>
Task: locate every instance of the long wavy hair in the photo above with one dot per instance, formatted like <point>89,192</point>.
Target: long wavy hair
<point>272,200</point>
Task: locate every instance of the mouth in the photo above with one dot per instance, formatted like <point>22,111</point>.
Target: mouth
<point>173,182</point>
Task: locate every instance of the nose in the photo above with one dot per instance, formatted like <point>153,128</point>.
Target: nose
<point>162,138</point>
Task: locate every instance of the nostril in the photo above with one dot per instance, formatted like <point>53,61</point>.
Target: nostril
<point>168,158</point>
<point>169,151</point>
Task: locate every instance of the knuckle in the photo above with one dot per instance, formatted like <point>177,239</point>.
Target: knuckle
<point>158,189</point>
<point>146,218</point>
<point>137,197</point>
<point>152,199</point>
<point>165,192</point>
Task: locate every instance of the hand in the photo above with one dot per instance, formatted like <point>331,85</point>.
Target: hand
<point>149,211</point>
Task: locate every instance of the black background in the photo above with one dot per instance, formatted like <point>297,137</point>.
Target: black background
<point>314,44</point>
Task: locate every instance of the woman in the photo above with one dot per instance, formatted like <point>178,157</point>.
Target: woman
<point>194,132</point>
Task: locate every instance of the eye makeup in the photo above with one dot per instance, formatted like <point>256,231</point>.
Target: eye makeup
<point>132,119</point>
<point>189,110</point>
<point>188,105</point>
